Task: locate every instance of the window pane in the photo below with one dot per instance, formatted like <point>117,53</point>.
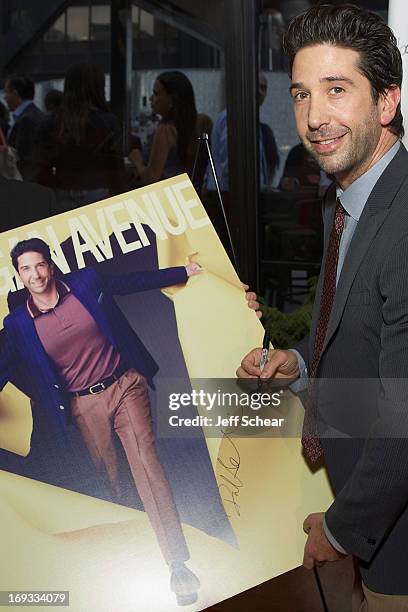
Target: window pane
<point>135,15</point>
<point>57,31</point>
<point>143,22</point>
<point>78,23</point>
<point>100,22</point>
<point>146,22</point>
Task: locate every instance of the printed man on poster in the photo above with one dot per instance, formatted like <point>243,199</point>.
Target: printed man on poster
<point>83,357</point>
<point>346,75</point>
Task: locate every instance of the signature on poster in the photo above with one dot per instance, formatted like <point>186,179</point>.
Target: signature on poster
<point>231,484</point>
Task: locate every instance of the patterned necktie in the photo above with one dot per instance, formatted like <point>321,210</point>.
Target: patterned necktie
<point>310,436</point>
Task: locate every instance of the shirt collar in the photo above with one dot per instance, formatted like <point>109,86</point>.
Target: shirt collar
<point>34,311</point>
<point>354,198</point>
<point>21,108</point>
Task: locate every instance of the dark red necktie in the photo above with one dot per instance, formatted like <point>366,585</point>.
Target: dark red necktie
<point>310,436</point>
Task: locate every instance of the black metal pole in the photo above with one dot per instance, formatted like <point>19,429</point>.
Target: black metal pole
<point>201,139</point>
<point>121,64</point>
<point>241,75</point>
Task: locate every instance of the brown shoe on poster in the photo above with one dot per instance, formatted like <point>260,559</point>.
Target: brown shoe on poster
<point>183,583</point>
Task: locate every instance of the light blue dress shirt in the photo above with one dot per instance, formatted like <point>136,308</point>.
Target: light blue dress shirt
<point>20,109</point>
<point>17,112</point>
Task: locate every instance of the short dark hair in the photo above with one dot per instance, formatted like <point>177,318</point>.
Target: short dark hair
<point>23,85</point>
<point>356,28</point>
<point>32,244</point>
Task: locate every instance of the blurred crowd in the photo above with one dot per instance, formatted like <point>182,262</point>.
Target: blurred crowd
<point>74,146</point>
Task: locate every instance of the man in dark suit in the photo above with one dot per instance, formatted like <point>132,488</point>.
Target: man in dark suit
<point>84,359</point>
<point>346,72</point>
<point>19,95</point>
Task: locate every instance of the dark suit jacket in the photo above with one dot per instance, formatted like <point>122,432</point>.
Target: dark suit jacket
<point>22,203</point>
<point>23,137</point>
<point>362,386</point>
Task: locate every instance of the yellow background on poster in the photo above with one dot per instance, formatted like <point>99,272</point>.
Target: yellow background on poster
<point>106,555</point>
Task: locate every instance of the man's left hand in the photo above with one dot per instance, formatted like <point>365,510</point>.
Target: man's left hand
<point>318,549</point>
<point>193,269</point>
<point>252,300</point>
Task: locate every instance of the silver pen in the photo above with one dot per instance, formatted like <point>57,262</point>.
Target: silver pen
<point>265,350</point>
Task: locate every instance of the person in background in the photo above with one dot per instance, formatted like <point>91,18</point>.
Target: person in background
<point>174,143</point>
<point>4,122</point>
<point>53,100</point>
<point>269,155</point>
<point>80,145</point>
<point>302,171</point>
<point>19,95</point>
<point>268,164</point>
<point>30,202</point>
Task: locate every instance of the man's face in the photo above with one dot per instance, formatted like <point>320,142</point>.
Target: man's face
<point>11,96</point>
<point>36,274</point>
<point>336,117</point>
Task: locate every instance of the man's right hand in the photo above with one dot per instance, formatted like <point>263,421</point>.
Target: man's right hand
<point>281,364</point>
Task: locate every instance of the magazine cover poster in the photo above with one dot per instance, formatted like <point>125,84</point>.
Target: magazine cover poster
<point>125,481</point>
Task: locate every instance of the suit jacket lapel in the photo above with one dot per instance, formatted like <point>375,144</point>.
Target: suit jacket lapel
<point>373,216</point>
<point>25,335</point>
<point>11,129</point>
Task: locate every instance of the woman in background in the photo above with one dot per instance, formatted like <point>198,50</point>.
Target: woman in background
<point>80,143</point>
<point>4,122</point>
<point>175,141</point>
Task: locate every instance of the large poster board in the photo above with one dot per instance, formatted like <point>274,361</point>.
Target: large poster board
<point>241,498</point>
